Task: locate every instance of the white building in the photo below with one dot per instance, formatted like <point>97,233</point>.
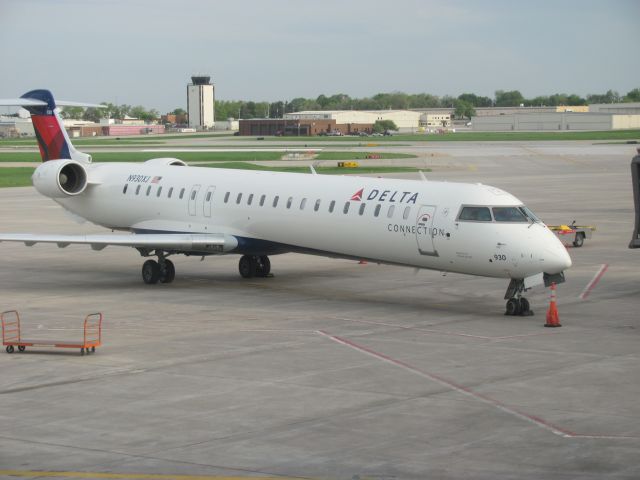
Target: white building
<point>200,103</point>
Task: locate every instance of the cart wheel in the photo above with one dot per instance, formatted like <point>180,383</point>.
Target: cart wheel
<point>579,241</point>
<point>10,349</point>
<point>93,349</point>
<point>21,348</point>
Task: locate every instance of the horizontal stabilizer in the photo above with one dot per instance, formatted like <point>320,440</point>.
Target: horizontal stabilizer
<point>30,102</point>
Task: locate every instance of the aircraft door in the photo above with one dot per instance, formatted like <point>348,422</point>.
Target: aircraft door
<point>192,200</point>
<point>424,230</point>
<point>208,200</point>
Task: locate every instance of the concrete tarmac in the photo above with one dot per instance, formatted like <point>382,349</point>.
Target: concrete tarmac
<point>332,369</point>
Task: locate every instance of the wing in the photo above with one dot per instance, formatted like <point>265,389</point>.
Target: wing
<point>178,242</point>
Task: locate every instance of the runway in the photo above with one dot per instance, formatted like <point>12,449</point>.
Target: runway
<point>333,369</point>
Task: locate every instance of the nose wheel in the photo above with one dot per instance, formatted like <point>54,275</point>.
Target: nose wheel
<point>516,303</point>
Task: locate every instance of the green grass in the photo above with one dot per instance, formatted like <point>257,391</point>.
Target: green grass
<point>323,170</point>
<point>15,177</point>
<point>199,156</point>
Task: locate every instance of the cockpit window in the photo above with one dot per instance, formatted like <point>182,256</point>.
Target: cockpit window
<point>530,214</point>
<point>509,214</point>
<point>475,214</point>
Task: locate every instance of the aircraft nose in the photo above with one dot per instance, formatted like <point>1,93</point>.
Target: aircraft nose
<point>556,258</point>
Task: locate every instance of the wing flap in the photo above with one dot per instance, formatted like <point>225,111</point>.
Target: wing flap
<point>183,242</point>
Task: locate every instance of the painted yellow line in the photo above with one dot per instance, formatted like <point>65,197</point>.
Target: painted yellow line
<point>141,476</point>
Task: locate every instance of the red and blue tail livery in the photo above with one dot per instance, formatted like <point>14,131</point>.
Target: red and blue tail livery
<point>53,140</point>
<point>52,137</point>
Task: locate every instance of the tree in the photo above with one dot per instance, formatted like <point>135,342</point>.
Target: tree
<point>179,111</point>
<point>464,109</point>
<point>93,114</point>
<point>72,112</point>
<point>384,125</point>
<point>632,96</point>
<point>474,100</point>
<point>511,98</point>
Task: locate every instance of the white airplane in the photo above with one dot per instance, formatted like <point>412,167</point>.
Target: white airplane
<point>170,208</point>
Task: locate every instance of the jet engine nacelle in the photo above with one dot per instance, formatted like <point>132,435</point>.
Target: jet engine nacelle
<point>60,178</point>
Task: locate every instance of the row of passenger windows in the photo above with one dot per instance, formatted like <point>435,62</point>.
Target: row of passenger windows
<point>274,203</point>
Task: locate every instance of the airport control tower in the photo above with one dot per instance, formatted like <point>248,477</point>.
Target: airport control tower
<point>200,102</point>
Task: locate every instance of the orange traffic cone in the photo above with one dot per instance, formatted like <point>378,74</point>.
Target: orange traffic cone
<point>553,320</point>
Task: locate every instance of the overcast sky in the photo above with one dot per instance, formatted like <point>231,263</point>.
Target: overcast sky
<point>144,51</point>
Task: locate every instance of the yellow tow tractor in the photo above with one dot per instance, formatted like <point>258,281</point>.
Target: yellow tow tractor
<point>573,234</point>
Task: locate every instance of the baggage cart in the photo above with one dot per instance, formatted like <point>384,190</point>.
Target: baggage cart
<point>12,337</point>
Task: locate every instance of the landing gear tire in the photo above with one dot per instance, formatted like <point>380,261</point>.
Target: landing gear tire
<point>263,266</point>
<point>525,308</point>
<point>513,307</point>
<point>168,273</point>
<point>579,241</point>
<point>151,272</point>
<point>248,266</point>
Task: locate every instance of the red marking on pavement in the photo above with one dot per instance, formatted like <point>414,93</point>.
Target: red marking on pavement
<point>594,281</point>
<point>540,422</point>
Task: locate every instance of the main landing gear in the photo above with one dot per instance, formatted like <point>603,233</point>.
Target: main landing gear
<point>162,271</point>
<point>516,303</point>
<point>254,266</point>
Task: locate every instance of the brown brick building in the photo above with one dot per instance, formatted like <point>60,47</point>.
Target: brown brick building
<point>306,127</point>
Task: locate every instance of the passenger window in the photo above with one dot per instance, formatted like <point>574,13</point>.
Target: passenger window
<point>138,189</point>
<point>124,190</point>
<point>362,206</point>
<point>275,201</point>
<point>148,190</point>
<point>239,198</point>
<point>226,197</point>
<point>159,191</point>
<point>346,207</point>
<point>262,199</point>
<point>316,206</point>
<point>208,196</point>
<point>289,202</point>
<point>303,203</point>
<point>509,214</point>
<point>170,192</point>
<point>181,193</point>
<point>332,206</point>
<point>193,194</point>
<point>475,214</point>
<point>405,215</point>
<point>376,212</point>
<point>392,208</point>
<point>250,199</point>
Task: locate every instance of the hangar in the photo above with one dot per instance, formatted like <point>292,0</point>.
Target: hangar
<point>556,121</point>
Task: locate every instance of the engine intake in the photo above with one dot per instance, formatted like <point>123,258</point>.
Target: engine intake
<point>60,178</point>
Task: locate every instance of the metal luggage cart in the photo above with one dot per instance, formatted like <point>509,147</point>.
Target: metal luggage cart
<point>573,234</point>
<point>11,336</point>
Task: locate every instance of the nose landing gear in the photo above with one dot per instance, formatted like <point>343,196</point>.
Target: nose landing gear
<point>254,266</point>
<point>516,303</point>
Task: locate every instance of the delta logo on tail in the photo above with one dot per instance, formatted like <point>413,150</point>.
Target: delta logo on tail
<point>386,196</point>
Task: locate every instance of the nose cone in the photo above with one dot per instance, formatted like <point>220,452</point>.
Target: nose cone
<point>554,254</point>
<point>556,258</point>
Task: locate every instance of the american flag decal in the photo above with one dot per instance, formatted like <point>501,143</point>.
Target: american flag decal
<point>156,179</point>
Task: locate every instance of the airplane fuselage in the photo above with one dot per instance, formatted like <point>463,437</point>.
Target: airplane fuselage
<point>404,222</point>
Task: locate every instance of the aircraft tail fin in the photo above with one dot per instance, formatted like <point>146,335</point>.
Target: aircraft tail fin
<point>52,137</point>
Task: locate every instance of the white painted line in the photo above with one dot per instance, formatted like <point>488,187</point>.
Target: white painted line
<point>229,150</point>
<point>594,281</point>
